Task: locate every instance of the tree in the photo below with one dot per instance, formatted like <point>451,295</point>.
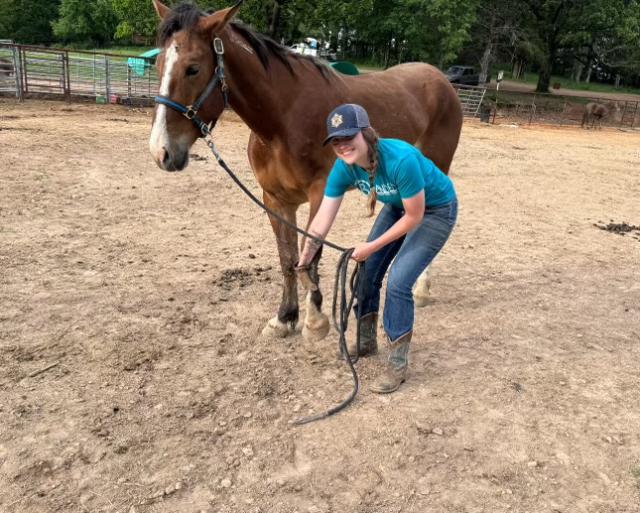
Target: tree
<point>86,21</point>
<point>498,25</point>
<point>28,21</point>
<point>135,18</point>
<point>547,26</point>
<point>608,35</point>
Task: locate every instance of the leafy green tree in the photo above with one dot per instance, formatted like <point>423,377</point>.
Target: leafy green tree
<point>607,33</point>
<point>86,21</point>
<point>28,21</point>
<point>498,26</point>
<point>439,28</point>
<point>135,18</point>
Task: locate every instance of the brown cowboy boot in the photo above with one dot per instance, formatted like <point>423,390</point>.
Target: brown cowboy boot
<point>395,372</point>
<point>368,336</point>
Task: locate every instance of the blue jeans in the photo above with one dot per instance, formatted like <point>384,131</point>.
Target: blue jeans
<point>413,253</point>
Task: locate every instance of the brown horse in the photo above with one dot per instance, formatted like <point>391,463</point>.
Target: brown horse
<point>594,113</point>
<point>285,98</point>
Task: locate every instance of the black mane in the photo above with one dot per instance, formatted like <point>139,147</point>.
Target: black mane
<point>182,17</point>
<point>186,16</point>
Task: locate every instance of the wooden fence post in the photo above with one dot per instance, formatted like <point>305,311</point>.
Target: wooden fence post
<point>66,76</point>
<point>107,78</point>
<point>533,109</point>
<point>17,70</point>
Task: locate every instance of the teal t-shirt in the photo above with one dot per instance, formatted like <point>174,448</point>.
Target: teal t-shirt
<point>402,173</point>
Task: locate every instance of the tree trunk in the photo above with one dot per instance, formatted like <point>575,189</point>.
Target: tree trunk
<point>618,77</point>
<point>544,76</point>
<point>485,62</point>
<point>275,21</point>
<point>588,78</point>
<point>387,54</point>
<point>577,68</point>
<point>518,69</point>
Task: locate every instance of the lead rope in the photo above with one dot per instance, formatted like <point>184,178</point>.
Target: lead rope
<point>343,306</point>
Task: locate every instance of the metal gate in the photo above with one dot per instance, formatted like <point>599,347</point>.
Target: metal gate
<point>471,99</point>
<point>9,70</point>
<point>28,70</point>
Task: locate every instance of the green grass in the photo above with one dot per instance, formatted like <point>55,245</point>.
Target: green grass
<point>635,472</point>
<point>567,83</point>
<point>123,50</point>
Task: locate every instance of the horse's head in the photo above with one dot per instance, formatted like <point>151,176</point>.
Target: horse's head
<point>186,66</point>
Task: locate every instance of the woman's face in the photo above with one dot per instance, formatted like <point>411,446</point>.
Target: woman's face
<point>353,150</point>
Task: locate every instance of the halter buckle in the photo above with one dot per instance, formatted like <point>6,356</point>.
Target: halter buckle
<point>190,113</point>
<point>218,47</point>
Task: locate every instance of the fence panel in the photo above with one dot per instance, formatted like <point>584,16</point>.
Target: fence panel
<point>85,74</point>
<point>43,71</point>
<point>524,107</point>
<point>106,77</point>
<point>471,99</point>
<point>9,71</point>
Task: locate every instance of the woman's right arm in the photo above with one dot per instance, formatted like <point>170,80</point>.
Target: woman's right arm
<point>319,227</point>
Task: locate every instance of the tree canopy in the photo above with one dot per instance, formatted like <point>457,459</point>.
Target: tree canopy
<point>584,39</point>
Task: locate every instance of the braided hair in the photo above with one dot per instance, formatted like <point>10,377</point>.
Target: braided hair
<point>371,138</point>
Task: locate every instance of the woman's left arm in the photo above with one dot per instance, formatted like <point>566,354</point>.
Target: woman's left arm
<point>413,214</point>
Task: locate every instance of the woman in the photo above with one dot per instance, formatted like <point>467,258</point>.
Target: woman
<point>418,216</point>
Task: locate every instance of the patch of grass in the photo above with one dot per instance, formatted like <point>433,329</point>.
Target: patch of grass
<point>124,50</point>
<point>635,472</point>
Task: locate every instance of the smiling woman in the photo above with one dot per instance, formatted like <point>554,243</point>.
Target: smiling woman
<point>269,88</point>
<point>418,217</point>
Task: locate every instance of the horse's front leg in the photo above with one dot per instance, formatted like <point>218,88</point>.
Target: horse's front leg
<point>287,240</point>
<point>316,324</point>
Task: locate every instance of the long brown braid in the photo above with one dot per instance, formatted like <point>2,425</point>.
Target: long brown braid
<point>371,138</point>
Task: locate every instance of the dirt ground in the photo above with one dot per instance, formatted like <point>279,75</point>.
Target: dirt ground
<point>134,379</point>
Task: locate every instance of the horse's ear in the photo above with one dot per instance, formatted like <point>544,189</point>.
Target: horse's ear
<point>217,21</point>
<point>161,9</point>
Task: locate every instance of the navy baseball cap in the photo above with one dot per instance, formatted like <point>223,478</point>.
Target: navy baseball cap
<point>346,121</point>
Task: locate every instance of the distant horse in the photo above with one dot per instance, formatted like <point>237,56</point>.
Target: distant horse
<point>285,98</point>
<point>594,113</point>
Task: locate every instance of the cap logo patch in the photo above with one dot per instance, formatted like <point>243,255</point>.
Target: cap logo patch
<point>336,120</point>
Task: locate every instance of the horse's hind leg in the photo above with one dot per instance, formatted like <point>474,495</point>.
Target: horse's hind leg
<point>438,144</point>
<point>316,324</point>
<point>284,323</point>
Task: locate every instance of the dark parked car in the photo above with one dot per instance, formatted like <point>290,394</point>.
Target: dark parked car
<point>464,75</point>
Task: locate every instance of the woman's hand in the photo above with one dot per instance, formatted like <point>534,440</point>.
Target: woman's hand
<point>363,251</point>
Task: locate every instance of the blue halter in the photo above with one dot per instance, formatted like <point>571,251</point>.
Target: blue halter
<point>191,111</point>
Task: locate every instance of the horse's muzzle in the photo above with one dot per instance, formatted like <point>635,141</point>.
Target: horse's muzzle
<point>174,160</point>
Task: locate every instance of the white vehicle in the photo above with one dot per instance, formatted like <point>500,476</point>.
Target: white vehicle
<point>307,47</point>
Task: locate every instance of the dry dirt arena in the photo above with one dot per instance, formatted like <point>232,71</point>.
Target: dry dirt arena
<point>134,379</point>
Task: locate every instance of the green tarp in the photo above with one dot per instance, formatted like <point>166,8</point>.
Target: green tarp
<point>345,67</point>
<point>140,64</point>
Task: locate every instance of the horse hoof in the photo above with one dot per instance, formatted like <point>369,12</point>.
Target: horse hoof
<point>421,293</point>
<point>276,329</point>
<point>316,330</point>
<point>421,300</point>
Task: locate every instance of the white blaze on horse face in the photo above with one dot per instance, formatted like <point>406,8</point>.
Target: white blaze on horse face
<point>159,139</point>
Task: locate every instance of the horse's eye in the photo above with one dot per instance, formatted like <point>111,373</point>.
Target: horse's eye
<point>192,70</point>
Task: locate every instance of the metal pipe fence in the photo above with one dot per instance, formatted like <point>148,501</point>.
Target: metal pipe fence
<point>556,109</point>
<point>524,107</point>
<point>30,70</point>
